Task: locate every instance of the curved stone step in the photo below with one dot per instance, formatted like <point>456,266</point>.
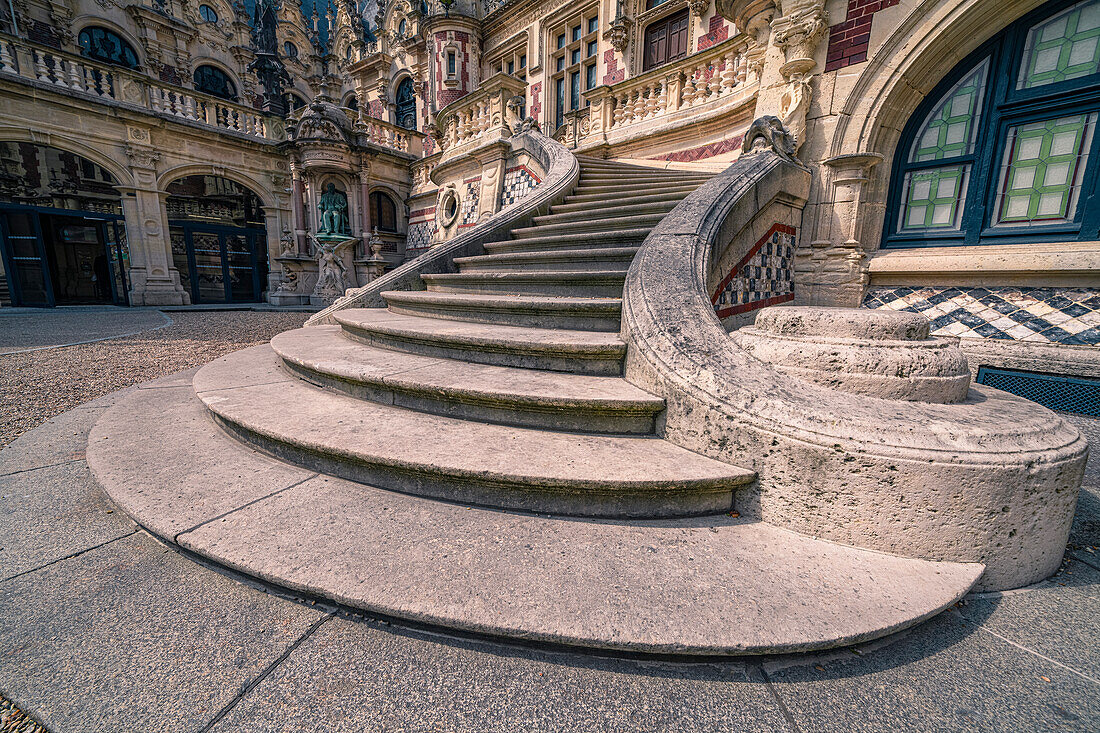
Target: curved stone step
<point>625,190</point>
<point>461,460</point>
<point>592,225</point>
<point>579,352</point>
<point>606,283</point>
<point>609,212</point>
<point>505,395</point>
<point>616,238</point>
<point>596,178</point>
<point>706,586</point>
<point>572,205</point>
<point>533,311</point>
<point>597,258</point>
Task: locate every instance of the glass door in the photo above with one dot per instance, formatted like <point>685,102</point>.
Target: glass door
<point>25,259</point>
<point>243,285</point>
<point>209,267</point>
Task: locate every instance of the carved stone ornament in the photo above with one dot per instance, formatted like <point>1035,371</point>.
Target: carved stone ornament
<point>799,32</point>
<point>527,125</point>
<point>142,157</point>
<point>618,33</point>
<point>699,7</point>
<point>331,271</point>
<point>768,133</point>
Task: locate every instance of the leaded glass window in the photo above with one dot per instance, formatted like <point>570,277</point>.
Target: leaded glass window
<point>1065,47</point>
<point>105,45</point>
<point>212,80</point>
<point>1003,150</point>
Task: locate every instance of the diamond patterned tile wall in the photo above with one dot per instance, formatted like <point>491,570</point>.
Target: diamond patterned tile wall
<point>468,213</point>
<point>763,277</point>
<point>1068,316</point>
<point>518,182</point>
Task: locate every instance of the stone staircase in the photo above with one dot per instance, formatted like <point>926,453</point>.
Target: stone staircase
<point>482,466</point>
<point>500,384</point>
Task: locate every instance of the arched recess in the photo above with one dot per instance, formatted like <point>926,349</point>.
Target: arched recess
<point>104,160</point>
<point>386,210</point>
<point>235,83</point>
<point>924,48</point>
<point>84,22</point>
<point>404,100</point>
<point>266,197</point>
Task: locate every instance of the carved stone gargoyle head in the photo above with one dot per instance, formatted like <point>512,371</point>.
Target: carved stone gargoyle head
<point>768,133</point>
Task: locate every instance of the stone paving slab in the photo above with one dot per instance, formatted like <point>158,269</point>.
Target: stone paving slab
<point>131,636</point>
<point>202,485</point>
<point>26,329</point>
<point>353,676</point>
<point>65,440</point>
<point>950,675</point>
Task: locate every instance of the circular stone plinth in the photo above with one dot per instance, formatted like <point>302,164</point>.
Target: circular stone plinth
<point>705,586</point>
<point>885,354</point>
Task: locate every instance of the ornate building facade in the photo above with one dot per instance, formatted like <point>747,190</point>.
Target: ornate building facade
<point>177,151</point>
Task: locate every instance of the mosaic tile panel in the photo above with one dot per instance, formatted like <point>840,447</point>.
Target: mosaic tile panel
<point>467,215</point>
<point>1065,47</point>
<point>419,237</point>
<point>763,277</point>
<point>518,182</point>
<point>1068,316</point>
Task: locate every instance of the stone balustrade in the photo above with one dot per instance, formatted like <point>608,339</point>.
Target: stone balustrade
<point>116,85</point>
<point>702,83</point>
<point>482,115</point>
<point>386,134</point>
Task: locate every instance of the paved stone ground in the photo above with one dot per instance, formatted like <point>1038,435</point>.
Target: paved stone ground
<point>36,385</point>
<point>104,629</point>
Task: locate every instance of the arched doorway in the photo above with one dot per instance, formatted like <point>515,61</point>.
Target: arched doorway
<point>218,239</point>
<point>62,236</point>
<point>405,100</point>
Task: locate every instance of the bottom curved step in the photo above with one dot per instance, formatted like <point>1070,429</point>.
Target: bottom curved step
<point>705,586</point>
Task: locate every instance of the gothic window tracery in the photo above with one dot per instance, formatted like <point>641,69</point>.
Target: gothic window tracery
<point>405,100</point>
<point>103,44</point>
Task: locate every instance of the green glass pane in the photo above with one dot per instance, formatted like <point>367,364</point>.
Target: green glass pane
<point>1065,47</point>
<point>933,198</point>
<point>1042,170</point>
<point>952,127</point>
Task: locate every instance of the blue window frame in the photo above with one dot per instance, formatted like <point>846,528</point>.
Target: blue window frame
<point>105,45</point>
<point>1004,150</point>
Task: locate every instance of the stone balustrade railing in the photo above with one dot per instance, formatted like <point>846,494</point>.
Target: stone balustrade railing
<point>698,84</point>
<point>481,115</point>
<point>74,74</point>
<point>386,134</point>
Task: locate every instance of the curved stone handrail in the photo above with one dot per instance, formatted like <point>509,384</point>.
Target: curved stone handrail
<point>562,172</point>
<point>991,479</point>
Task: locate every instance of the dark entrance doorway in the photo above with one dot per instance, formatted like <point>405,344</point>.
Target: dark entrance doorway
<point>62,237</point>
<point>219,242</point>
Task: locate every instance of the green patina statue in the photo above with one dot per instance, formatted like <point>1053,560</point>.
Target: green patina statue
<point>334,212</point>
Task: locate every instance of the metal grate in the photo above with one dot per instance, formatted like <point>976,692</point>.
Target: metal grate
<point>1071,394</point>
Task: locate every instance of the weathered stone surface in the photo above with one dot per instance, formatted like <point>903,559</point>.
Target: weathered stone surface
<point>132,636</point>
<point>884,354</point>
<point>992,479</point>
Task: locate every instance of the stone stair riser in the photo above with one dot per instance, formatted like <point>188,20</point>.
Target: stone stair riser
<point>607,321</point>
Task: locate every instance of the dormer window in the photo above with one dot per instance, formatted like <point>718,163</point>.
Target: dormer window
<point>290,50</point>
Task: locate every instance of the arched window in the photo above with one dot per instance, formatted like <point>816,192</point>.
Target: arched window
<point>208,14</point>
<point>405,100</point>
<point>1004,150</point>
<point>290,50</point>
<point>402,28</point>
<point>383,212</point>
<point>352,103</point>
<point>105,45</point>
<point>212,80</point>
<point>293,101</point>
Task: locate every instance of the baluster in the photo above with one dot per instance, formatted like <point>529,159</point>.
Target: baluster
<point>729,75</point>
<point>662,98</point>
<point>76,76</point>
<point>689,89</point>
<point>189,107</point>
<point>617,113</point>
<point>7,61</point>
<point>742,69</point>
<point>652,103</point>
<point>715,81</point>
<point>40,67</point>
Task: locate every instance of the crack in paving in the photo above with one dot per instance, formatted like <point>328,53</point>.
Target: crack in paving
<point>39,468</point>
<point>1045,658</point>
<point>78,553</point>
<point>778,700</point>
<point>267,671</point>
<point>176,538</point>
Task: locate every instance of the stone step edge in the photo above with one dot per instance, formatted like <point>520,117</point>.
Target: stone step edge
<point>638,414</point>
<point>136,488</point>
<point>591,253</point>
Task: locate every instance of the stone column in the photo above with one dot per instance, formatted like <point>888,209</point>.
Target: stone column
<point>364,198</point>
<point>154,279</point>
<point>297,209</point>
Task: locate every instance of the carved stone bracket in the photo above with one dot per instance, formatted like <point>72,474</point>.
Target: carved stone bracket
<point>768,133</point>
<point>618,33</point>
<point>699,7</point>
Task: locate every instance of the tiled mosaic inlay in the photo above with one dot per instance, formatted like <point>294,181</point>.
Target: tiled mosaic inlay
<point>1040,315</point>
<point>763,277</point>
<point>467,216</point>
<point>518,182</point>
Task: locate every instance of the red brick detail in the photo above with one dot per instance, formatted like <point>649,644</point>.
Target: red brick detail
<point>536,101</point>
<point>848,41</point>
<point>429,145</point>
<point>374,109</point>
<point>524,168</point>
<point>719,31</point>
<point>703,151</point>
<point>614,74</point>
<point>450,95</point>
<point>422,215</point>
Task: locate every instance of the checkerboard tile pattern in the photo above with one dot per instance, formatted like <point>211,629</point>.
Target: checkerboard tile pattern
<point>518,182</point>
<point>419,237</point>
<point>763,277</point>
<point>1068,316</point>
<point>467,215</point>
